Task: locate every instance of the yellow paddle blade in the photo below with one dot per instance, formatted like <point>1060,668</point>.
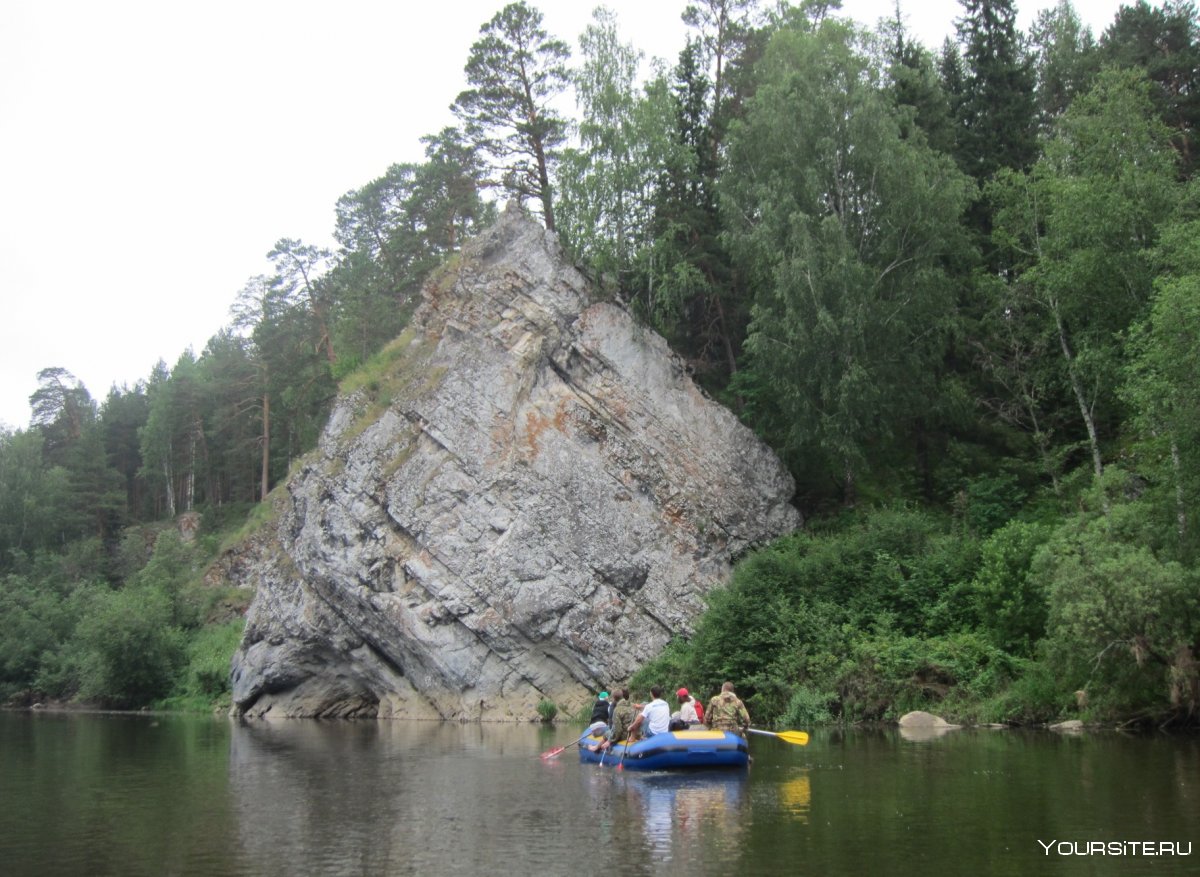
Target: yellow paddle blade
<point>799,738</point>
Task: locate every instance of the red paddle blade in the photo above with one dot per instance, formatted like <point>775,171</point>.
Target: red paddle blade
<point>553,752</point>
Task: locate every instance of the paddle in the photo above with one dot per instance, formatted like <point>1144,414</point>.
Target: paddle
<point>798,738</point>
<point>553,752</point>
<point>621,763</point>
<point>592,728</point>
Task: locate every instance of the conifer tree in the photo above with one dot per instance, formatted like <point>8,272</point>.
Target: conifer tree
<point>688,272</point>
<point>915,83</point>
<point>515,71</point>
<point>997,113</point>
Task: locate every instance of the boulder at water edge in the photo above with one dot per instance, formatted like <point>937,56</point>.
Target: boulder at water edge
<point>919,726</point>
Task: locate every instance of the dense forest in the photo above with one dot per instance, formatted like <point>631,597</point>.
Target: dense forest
<point>958,292</point>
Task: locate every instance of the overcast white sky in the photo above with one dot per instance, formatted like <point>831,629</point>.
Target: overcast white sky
<point>152,152</point>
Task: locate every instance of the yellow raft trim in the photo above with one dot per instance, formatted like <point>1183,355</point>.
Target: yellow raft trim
<point>679,735</point>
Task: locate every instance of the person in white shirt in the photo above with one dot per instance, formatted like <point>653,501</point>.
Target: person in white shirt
<point>687,707</point>
<point>655,715</point>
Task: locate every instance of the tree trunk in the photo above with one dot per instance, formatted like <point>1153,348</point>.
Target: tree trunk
<point>266,445</point>
<point>189,492</point>
<point>849,488</point>
<point>169,477</point>
<point>727,345</point>
<point>1180,507</point>
<point>544,185</point>
<point>1084,411</point>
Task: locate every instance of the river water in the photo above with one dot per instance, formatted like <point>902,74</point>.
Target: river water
<point>168,795</point>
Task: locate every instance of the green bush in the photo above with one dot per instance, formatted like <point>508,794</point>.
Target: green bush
<point>171,570</point>
<point>209,655</point>
<point>992,501</point>
<point>1036,696</point>
<point>807,707</point>
<point>892,610</point>
<point>1122,621</point>
<point>792,612</point>
<point>130,650</point>
<point>547,709</point>
<point>670,668</point>
<point>30,618</point>
<point>892,675</point>
<point>1010,604</point>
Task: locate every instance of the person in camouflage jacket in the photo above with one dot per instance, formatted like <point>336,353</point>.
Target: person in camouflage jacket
<point>726,712</point>
<point>623,716</point>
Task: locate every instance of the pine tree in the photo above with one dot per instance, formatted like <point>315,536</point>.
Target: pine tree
<point>689,280</point>
<point>515,71</point>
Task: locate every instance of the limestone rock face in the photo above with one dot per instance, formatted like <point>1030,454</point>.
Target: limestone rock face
<point>526,499</point>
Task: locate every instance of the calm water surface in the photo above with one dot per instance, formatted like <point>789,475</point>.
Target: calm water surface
<point>165,795</point>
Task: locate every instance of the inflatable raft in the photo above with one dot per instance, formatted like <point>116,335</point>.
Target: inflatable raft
<point>673,750</point>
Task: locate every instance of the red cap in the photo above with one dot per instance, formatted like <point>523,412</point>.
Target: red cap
<point>682,692</point>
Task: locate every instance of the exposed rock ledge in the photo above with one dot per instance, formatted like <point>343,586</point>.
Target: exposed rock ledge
<point>529,504</point>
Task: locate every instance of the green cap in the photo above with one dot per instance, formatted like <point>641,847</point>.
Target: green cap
<point>603,695</point>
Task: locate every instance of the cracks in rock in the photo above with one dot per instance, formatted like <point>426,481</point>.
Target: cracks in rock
<point>571,672</point>
<point>428,431</point>
<point>649,613</point>
<point>625,578</point>
<point>646,480</point>
<point>589,401</point>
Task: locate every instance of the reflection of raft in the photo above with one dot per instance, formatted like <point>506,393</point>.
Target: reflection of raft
<point>672,750</point>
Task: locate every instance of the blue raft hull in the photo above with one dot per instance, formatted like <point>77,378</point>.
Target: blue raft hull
<point>673,750</point>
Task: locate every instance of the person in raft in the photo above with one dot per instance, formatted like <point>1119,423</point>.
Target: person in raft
<point>687,707</point>
<point>684,717</point>
<point>601,709</point>
<point>655,715</point>
<point>726,712</point>
<point>623,715</point>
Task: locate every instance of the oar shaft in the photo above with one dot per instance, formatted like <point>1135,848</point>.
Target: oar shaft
<point>558,751</point>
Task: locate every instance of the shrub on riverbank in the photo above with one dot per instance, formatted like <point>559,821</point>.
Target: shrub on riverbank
<point>900,610</point>
<point>150,633</point>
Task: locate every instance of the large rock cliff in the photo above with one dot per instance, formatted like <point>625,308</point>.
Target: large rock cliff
<point>527,499</point>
